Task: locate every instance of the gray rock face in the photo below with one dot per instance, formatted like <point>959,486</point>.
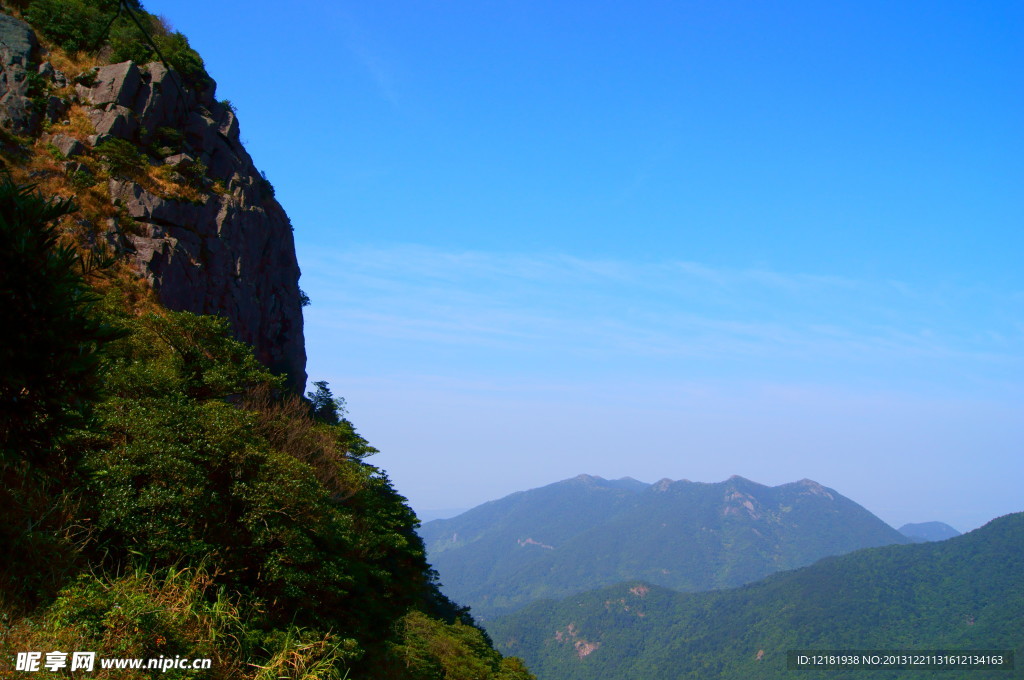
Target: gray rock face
<point>17,45</point>
<point>233,255</point>
<point>18,41</point>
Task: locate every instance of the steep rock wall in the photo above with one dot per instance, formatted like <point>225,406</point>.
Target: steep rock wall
<point>230,253</point>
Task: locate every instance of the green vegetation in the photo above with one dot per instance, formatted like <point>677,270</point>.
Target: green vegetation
<point>90,25</point>
<point>433,649</point>
<point>49,361</point>
<point>49,382</point>
<point>166,141</point>
<point>588,532</point>
<point>164,495</point>
<point>963,593</point>
<point>122,158</point>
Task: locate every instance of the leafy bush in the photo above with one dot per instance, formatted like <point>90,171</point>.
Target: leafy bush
<point>166,141</point>
<point>194,173</point>
<point>49,380</point>
<point>433,650</point>
<point>81,179</point>
<point>323,405</point>
<point>75,25</point>
<point>266,189</point>
<point>122,158</point>
<point>128,43</point>
<point>87,77</point>
<point>85,26</point>
<point>38,91</point>
<point>49,358</point>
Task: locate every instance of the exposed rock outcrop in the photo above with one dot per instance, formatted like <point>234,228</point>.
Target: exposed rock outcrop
<point>230,252</point>
<point>17,46</point>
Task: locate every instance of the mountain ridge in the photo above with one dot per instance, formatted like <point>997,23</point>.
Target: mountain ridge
<point>586,531</point>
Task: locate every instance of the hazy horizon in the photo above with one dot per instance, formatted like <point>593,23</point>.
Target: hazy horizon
<point>683,240</point>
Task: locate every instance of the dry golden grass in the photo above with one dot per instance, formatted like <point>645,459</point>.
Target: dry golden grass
<point>299,659</point>
<point>39,165</point>
<point>79,126</point>
<point>32,161</point>
<point>159,180</point>
<point>69,64</point>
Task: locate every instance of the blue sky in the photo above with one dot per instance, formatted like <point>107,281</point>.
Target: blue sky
<point>679,239</point>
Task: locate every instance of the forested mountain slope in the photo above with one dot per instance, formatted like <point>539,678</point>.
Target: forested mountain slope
<point>963,593</point>
<point>588,532</point>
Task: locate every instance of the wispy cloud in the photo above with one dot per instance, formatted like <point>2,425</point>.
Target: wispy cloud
<point>564,308</point>
<point>456,361</point>
<point>370,53</point>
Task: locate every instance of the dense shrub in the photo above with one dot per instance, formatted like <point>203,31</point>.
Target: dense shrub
<point>49,361</point>
<point>280,502</point>
<point>430,649</point>
<point>89,25</point>
<point>127,43</point>
<point>49,380</point>
<point>75,25</point>
<point>122,158</point>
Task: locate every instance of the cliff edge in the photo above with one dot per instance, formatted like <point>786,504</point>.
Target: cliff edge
<point>225,246</point>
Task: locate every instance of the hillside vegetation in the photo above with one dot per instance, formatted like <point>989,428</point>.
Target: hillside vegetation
<point>163,493</point>
<point>963,593</point>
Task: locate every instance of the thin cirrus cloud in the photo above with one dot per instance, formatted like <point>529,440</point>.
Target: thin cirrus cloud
<point>605,315</point>
<point>369,52</point>
<point>453,360</point>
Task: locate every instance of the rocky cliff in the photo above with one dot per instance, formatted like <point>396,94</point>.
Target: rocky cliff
<point>225,247</point>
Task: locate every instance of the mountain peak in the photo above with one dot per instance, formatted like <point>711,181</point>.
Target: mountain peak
<point>928,531</point>
<point>813,488</point>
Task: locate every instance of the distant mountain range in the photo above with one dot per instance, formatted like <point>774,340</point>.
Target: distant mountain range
<point>960,594</point>
<point>928,531</point>
<point>588,532</point>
